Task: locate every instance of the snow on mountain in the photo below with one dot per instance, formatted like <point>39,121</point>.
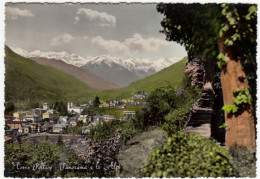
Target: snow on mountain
<point>134,64</point>
<point>66,57</point>
<point>131,64</point>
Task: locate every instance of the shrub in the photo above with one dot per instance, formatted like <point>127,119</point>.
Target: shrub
<point>103,132</point>
<point>243,162</point>
<point>188,155</point>
<point>174,121</point>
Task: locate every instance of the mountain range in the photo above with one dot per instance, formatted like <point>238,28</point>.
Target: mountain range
<point>28,81</point>
<point>119,71</point>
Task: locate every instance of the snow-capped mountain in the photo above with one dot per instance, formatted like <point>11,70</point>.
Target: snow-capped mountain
<point>134,64</point>
<point>124,71</point>
<point>66,57</point>
<point>117,70</point>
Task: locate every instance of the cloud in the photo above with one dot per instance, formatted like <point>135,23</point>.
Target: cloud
<point>138,43</point>
<point>85,37</point>
<point>13,13</point>
<point>62,39</point>
<point>101,19</point>
<point>110,46</point>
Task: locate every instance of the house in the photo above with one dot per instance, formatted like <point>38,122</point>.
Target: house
<point>8,117</point>
<point>32,118</point>
<point>84,118</point>
<point>58,128</point>
<point>103,105</point>
<point>38,112</point>
<point>55,114</point>
<point>15,124</point>
<point>19,114</point>
<point>35,127</point>
<point>63,119</point>
<point>108,118</point>
<point>98,118</point>
<point>128,114</point>
<point>26,129</point>
<point>142,95</point>
<point>115,103</point>
<point>46,127</point>
<point>45,106</point>
<point>74,109</point>
<point>73,123</point>
<point>50,114</point>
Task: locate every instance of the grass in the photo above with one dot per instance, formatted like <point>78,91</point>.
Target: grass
<point>27,82</point>
<point>117,112</point>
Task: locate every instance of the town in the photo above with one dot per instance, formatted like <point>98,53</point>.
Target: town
<point>49,119</point>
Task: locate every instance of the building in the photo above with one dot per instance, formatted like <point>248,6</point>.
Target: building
<point>51,114</point>
<point>15,124</point>
<point>38,112</point>
<point>73,123</point>
<point>33,118</point>
<point>84,118</point>
<point>35,127</point>
<point>75,109</point>
<point>63,119</point>
<point>46,128</point>
<point>103,105</point>
<point>45,106</point>
<point>128,114</point>
<point>115,103</point>
<point>108,118</point>
<point>58,128</point>
<point>26,129</point>
<point>8,117</point>
<point>19,114</point>
<point>98,118</point>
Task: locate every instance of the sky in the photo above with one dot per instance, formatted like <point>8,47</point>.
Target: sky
<point>121,30</point>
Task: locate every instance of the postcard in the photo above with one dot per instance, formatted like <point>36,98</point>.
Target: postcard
<point>127,90</point>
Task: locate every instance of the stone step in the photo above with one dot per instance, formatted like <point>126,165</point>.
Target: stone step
<point>203,130</point>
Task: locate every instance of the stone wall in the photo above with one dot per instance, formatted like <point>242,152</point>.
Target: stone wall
<point>52,138</point>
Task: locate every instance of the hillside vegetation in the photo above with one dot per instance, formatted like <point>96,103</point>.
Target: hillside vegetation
<point>169,77</point>
<point>27,82</point>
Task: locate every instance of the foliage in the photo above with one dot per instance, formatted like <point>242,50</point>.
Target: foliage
<point>178,27</point>
<point>9,108</point>
<point>221,60</point>
<point>243,162</point>
<point>174,121</point>
<point>92,111</point>
<point>182,156</point>
<point>235,23</point>
<point>230,108</point>
<point>6,127</point>
<point>73,159</point>
<point>224,125</point>
<point>75,130</point>
<point>241,97</point>
<point>25,155</point>
<point>103,132</point>
<point>96,102</point>
<point>61,107</point>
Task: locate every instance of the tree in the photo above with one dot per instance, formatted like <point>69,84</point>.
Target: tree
<point>96,101</point>
<point>226,35</point>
